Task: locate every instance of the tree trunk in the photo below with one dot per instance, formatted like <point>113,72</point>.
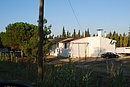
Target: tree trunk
<point>40,40</point>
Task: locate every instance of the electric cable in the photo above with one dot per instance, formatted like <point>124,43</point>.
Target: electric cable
<point>74,14</point>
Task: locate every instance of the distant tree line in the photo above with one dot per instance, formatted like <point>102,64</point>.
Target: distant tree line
<point>67,34</point>
<point>24,36</point>
<point>122,40</point>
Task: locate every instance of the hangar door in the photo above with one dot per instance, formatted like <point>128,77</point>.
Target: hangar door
<point>79,50</point>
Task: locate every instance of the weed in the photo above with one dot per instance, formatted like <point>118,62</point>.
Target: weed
<point>119,80</point>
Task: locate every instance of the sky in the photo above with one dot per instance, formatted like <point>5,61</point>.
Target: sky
<point>110,15</point>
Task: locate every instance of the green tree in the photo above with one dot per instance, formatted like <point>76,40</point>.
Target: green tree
<point>110,36</point>
<point>79,33</point>
<point>68,34</point>
<point>30,48</point>
<point>117,40</point>
<point>87,33</point>
<point>17,34</point>
<point>2,39</point>
<point>125,40</point>
<point>63,33</point>
<point>129,37</point>
<point>114,35</point>
<point>24,36</point>
<point>121,41</point>
<point>60,36</point>
<point>51,36</point>
<point>1,45</point>
<point>57,37</point>
<point>74,34</point>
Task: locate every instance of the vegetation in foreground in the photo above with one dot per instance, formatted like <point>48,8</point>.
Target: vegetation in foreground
<point>61,75</point>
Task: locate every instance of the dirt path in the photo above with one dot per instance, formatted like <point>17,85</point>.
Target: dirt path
<point>90,59</point>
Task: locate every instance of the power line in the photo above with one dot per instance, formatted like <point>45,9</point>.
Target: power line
<point>74,14</point>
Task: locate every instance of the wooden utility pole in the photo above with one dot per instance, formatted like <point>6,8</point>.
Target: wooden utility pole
<point>40,40</point>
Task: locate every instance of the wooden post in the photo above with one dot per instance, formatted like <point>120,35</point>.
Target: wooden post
<point>40,40</point>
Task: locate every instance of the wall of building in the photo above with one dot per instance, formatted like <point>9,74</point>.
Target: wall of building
<point>91,47</point>
<point>53,50</point>
<point>106,45</point>
<point>64,52</point>
<point>94,46</point>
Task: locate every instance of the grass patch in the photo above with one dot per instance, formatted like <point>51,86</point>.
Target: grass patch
<point>64,74</point>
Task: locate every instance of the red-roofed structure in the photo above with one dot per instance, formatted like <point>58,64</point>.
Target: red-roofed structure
<point>68,40</point>
<point>83,47</point>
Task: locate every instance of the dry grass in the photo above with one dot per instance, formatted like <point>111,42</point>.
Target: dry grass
<point>27,72</point>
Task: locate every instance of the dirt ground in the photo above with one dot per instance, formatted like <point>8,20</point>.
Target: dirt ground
<point>88,59</point>
<point>104,67</point>
<point>98,63</point>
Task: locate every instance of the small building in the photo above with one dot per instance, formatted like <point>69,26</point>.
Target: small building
<point>55,47</point>
<point>65,47</point>
<point>93,47</point>
<point>84,47</point>
<point>61,47</point>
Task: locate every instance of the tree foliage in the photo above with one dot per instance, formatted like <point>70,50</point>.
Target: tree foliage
<point>129,38</point>
<point>31,47</point>
<point>87,33</point>
<point>17,34</point>
<point>74,34</point>
<point>79,33</point>
<point>63,33</point>
<point>2,36</point>
<point>121,41</point>
<point>125,40</point>
<point>24,36</point>
<point>68,34</point>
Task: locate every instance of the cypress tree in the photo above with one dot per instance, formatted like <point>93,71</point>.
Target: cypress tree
<point>129,37</point>
<point>125,40</point>
<point>68,34</point>
<point>79,33</point>
<point>74,34</point>
<point>121,41</point>
<point>63,33</point>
